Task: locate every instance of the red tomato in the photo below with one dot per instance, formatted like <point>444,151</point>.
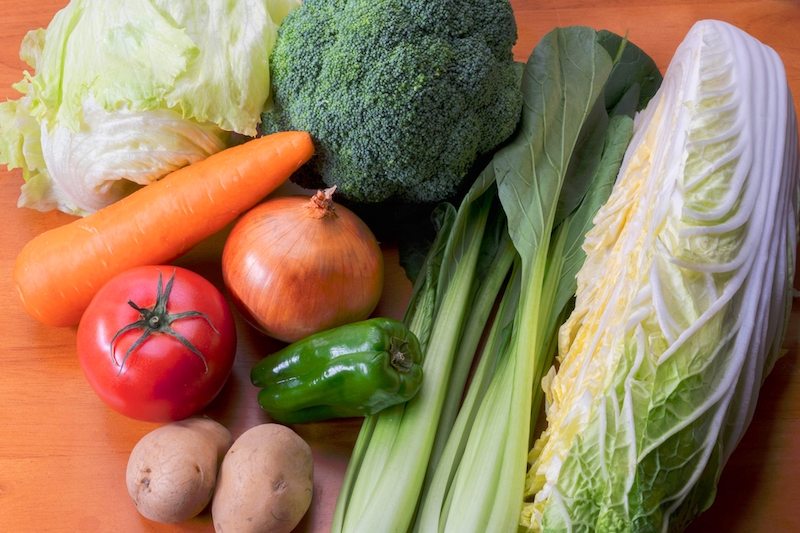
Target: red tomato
<point>161,379</point>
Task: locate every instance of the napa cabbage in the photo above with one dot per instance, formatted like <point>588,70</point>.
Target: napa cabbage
<point>682,301</point>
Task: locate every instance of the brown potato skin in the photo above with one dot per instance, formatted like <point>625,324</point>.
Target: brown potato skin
<point>172,470</point>
<point>265,483</point>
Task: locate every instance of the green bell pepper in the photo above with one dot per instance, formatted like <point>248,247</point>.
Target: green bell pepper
<point>352,370</point>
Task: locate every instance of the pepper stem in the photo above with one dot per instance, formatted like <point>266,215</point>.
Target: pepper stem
<point>398,350</point>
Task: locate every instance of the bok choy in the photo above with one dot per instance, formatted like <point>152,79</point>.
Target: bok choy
<point>551,178</point>
<point>581,89</point>
<point>682,301</point>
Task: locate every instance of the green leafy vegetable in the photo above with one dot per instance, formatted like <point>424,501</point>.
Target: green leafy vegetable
<point>563,79</point>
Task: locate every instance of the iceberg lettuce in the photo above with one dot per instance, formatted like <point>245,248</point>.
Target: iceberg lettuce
<point>124,92</point>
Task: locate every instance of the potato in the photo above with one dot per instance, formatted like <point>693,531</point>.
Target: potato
<point>265,483</point>
<point>172,470</point>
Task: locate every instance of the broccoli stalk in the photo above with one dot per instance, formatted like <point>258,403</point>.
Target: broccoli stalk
<point>400,96</point>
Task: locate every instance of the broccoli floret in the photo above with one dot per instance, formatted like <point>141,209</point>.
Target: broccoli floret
<point>399,96</point>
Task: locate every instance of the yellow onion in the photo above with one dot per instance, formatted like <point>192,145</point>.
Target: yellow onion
<point>295,266</point>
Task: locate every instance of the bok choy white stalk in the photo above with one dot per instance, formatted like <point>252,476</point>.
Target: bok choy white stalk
<point>682,302</point>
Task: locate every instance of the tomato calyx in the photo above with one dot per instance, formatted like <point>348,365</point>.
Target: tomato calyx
<point>158,320</point>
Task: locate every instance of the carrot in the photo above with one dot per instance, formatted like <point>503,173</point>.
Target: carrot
<point>58,272</point>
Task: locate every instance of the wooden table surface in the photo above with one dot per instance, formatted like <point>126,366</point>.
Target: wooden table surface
<point>63,452</point>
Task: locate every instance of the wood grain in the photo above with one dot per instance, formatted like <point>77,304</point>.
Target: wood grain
<point>63,453</point>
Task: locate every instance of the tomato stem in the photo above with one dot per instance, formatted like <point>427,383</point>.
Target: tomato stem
<point>158,320</point>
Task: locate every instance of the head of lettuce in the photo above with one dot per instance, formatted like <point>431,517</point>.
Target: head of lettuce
<point>126,91</point>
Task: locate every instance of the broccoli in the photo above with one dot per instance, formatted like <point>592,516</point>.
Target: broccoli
<point>399,96</point>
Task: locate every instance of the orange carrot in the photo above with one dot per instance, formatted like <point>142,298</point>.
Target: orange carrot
<point>58,272</point>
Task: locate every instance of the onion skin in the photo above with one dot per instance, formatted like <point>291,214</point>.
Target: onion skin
<point>294,266</point>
